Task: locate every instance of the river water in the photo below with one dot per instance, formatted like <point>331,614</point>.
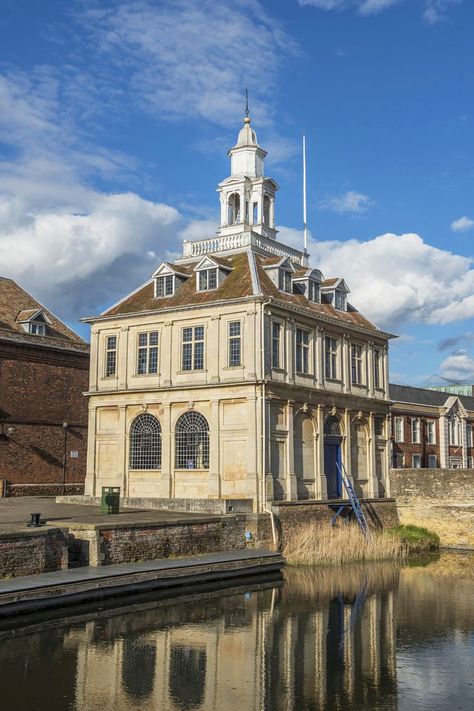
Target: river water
<point>379,637</point>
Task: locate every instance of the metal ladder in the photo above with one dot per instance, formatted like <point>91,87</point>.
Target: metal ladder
<point>353,500</point>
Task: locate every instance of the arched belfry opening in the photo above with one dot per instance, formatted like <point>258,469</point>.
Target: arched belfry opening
<point>233,209</point>
<point>266,211</point>
<point>332,457</point>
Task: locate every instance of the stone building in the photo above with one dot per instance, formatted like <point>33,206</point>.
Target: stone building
<point>431,429</point>
<point>238,371</point>
<point>44,370</point>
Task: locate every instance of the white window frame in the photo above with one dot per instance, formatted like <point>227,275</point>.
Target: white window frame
<point>413,457</point>
<point>401,420</point>
<point>285,281</point>
<point>431,458</point>
<point>431,430</point>
<point>234,339</point>
<point>204,278</point>
<point>37,329</point>
<point>168,283</point>
<point>313,291</point>
<point>148,349</point>
<point>111,352</point>
<point>415,430</point>
<point>378,371</point>
<point>340,300</point>
<point>469,435</point>
<point>331,358</point>
<point>278,340</point>
<point>195,348</point>
<point>357,364</point>
<point>302,350</point>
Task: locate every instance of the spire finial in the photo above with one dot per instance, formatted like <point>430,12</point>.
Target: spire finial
<point>247,112</point>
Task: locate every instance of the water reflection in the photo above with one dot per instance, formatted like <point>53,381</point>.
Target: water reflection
<point>322,640</point>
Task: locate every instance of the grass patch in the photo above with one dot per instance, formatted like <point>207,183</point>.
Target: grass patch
<point>316,544</point>
<point>416,538</point>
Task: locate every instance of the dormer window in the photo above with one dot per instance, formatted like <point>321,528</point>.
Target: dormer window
<point>207,279</point>
<point>37,329</point>
<point>33,321</point>
<point>284,280</point>
<point>340,300</point>
<point>313,291</point>
<point>164,285</point>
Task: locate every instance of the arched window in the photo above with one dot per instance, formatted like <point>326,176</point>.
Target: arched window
<point>145,443</point>
<point>192,441</point>
<point>332,427</point>
<point>233,212</point>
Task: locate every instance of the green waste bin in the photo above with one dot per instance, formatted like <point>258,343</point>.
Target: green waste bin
<point>110,500</point>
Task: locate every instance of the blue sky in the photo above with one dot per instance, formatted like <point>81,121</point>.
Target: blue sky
<point>115,119</point>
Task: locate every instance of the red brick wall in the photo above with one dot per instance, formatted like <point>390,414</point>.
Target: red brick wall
<point>39,390</point>
<point>408,448</point>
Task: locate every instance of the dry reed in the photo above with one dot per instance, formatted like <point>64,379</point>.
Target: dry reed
<point>316,544</point>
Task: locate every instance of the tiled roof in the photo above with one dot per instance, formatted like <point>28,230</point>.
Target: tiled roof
<point>236,285</point>
<point>330,282</point>
<point>17,304</point>
<point>420,396</point>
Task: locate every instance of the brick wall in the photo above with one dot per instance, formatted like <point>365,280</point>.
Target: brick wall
<point>32,552</point>
<point>39,391</point>
<point>446,485</point>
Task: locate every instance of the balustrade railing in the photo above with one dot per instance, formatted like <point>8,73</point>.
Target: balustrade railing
<point>226,243</point>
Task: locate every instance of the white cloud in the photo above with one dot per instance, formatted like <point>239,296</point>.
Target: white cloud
<point>464,224</point>
<point>433,12</point>
<point>458,366</point>
<point>352,202</point>
<point>397,279</point>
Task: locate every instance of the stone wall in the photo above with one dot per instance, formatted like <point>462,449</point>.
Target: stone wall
<point>42,489</point>
<point>442,485</point>
<point>29,552</point>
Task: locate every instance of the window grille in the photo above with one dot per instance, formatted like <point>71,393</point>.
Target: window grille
<point>332,428</point>
<point>276,327</point>
<point>330,357</point>
<point>234,343</point>
<point>356,363</point>
<point>164,285</point>
<point>208,279</point>
<point>147,357</point>
<point>192,441</point>
<point>145,443</point>
<point>302,351</point>
<point>193,348</point>
<point>110,356</point>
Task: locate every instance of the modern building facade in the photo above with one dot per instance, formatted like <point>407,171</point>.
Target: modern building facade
<point>238,371</point>
<point>431,428</point>
<point>44,370</point>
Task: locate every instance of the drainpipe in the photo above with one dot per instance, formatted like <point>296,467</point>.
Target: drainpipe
<point>64,427</point>
<point>264,421</point>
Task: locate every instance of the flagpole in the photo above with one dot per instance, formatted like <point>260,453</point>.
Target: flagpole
<point>305,224</point>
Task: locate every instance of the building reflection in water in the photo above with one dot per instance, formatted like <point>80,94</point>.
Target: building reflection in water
<point>318,642</point>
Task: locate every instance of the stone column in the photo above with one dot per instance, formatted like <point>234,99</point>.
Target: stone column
<point>167,453</point>
<point>370,368</point>
<point>290,350</point>
<point>347,461</point>
<point>464,442</point>
<point>321,489</point>
<point>292,489</point>
<point>91,476</point>
<point>212,356</point>
<point>385,373</point>
<point>214,483</point>
<point>443,442</point>
<point>319,357</point>
<point>346,364</point>
<point>372,484</point>
<point>122,359</point>
<point>388,460</point>
<point>122,455</point>
<point>94,361</point>
<point>166,356</point>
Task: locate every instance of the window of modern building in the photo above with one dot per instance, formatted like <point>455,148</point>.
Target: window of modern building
<point>164,285</point>
<point>145,442</point>
<point>415,430</point>
<point>192,441</point>
<point>193,348</point>
<point>302,351</point>
<point>416,461</point>
<point>356,364</point>
<point>207,279</point>
<point>430,432</point>
<point>276,332</point>
<point>432,461</point>
<point>147,356</point>
<point>110,356</point>
<point>234,343</point>
<point>377,373</point>
<point>398,429</point>
<point>330,358</point>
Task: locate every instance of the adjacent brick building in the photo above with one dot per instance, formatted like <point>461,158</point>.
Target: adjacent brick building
<point>44,370</point>
<point>431,429</point>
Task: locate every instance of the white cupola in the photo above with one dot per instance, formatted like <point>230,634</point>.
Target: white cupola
<point>247,197</point>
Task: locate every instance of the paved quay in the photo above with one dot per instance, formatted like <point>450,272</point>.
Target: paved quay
<point>57,589</point>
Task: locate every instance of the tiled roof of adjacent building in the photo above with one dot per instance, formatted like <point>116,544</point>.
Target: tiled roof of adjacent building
<point>17,305</point>
<point>237,284</point>
<point>420,396</point>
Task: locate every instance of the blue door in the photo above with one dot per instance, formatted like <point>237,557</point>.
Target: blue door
<point>332,457</point>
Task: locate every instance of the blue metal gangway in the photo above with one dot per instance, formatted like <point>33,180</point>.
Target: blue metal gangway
<point>354,502</point>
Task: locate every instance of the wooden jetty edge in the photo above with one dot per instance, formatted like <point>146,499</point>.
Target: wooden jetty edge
<point>65,587</point>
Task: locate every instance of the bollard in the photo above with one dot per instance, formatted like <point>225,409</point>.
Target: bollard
<point>35,520</point>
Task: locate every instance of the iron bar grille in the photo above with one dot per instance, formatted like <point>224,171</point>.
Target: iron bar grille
<point>110,356</point>
<point>192,441</point>
<point>147,358</point>
<point>145,443</point>
<point>193,348</point>
<point>234,343</point>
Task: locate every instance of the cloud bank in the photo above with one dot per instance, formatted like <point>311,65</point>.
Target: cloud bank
<point>433,10</point>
